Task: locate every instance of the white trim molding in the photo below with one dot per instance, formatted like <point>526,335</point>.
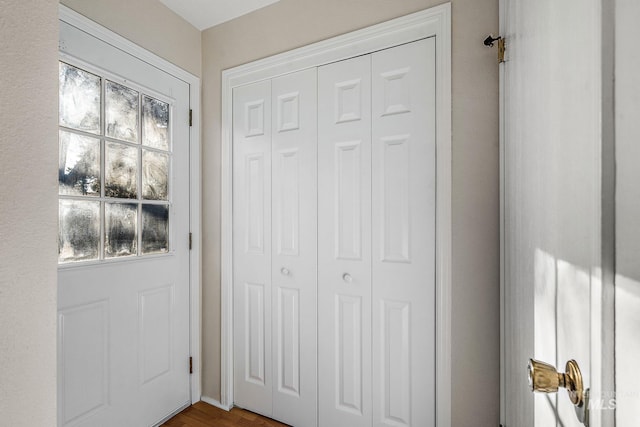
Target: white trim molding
<point>433,22</point>
<point>216,403</point>
<point>98,31</point>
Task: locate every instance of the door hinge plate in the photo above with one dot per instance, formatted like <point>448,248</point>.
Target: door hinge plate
<point>190,241</point>
<point>190,365</point>
<point>190,117</point>
<point>501,50</point>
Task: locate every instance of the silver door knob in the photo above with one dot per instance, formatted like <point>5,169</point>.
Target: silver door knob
<point>347,278</point>
<point>284,271</point>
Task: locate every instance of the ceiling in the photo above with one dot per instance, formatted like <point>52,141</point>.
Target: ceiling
<point>203,14</point>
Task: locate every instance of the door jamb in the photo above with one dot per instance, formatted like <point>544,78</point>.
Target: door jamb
<point>501,120</point>
<point>195,221</point>
<point>432,22</point>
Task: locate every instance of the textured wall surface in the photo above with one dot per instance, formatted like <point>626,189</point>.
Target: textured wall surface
<point>149,24</point>
<point>476,304</point>
<point>28,211</point>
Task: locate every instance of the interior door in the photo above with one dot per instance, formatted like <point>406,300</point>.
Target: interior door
<point>557,218</point>
<point>275,235</point>
<point>376,253</point>
<point>294,248</point>
<point>403,238</point>
<point>123,298</point>
<point>253,384</point>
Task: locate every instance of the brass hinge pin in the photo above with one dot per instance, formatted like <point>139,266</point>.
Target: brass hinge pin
<point>501,50</point>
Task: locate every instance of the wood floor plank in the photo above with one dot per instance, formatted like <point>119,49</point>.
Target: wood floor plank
<point>202,414</point>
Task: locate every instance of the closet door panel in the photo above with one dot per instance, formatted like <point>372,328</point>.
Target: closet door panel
<point>294,247</point>
<point>403,234</point>
<point>252,247</point>
<point>344,244</point>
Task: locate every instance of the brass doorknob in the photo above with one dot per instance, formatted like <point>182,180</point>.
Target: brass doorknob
<point>543,378</point>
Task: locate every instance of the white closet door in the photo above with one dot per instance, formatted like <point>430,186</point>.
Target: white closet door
<point>344,244</point>
<point>403,237</point>
<point>294,247</point>
<point>252,246</point>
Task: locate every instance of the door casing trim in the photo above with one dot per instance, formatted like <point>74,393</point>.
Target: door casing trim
<point>195,222</point>
<point>432,22</point>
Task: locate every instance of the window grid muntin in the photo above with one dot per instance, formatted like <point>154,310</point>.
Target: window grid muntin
<point>141,147</point>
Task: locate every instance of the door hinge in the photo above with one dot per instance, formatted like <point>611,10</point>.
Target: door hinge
<point>501,50</point>
<point>490,41</point>
<point>190,117</point>
<point>190,241</point>
<point>190,365</point>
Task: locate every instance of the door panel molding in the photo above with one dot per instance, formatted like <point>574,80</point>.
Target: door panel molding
<point>433,22</point>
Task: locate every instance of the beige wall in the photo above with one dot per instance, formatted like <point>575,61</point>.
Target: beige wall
<point>476,304</point>
<point>28,211</point>
<point>149,24</point>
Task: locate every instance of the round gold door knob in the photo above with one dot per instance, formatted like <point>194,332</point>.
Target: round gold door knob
<point>543,378</point>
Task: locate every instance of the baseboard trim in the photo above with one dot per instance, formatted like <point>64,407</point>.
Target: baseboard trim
<point>216,403</point>
<point>172,414</point>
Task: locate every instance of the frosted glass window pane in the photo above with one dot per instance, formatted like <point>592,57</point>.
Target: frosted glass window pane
<point>121,112</point>
<point>121,168</point>
<point>155,123</point>
<point>155,175</point>
<point>121,229</point>
<point>78,99</point>
<point>78,230</point>
<point>155,229</point>
<point>79,165</point>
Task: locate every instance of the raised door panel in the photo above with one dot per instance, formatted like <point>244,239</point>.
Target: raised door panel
<point>252,247</point>
<point>403,234</point>
<point>294,247</point>
<point>344,246</point>
<point>155,309</point>
<point>83,348</point>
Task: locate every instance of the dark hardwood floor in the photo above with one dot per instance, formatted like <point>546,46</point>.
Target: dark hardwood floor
<point>204,415</point>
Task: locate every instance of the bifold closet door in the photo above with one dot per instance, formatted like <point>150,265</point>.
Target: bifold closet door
<point>252,247</point>
<point>376,254</point>
<point>275,247</point>
<point>403,234</point>
<point>294,267</point>
<point>344,244</point>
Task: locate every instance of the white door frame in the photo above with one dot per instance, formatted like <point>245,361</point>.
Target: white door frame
<point>435,21</point>
<point>101,33</point>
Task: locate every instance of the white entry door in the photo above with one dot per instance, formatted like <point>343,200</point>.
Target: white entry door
<point>376,251</point>
<point>123,299</point>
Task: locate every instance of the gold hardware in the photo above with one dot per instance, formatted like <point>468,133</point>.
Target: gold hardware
<point>501,49</point>
<point>490,42</point>
<point>543,378</point>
